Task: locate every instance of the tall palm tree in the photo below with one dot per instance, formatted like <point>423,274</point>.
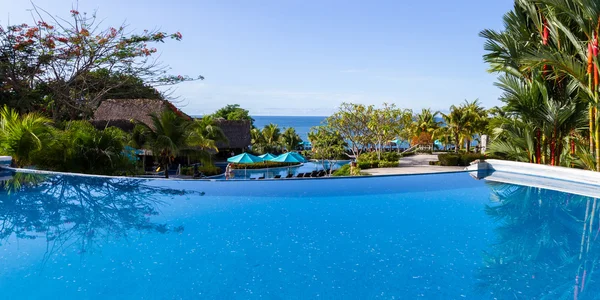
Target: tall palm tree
<point>290,139</point>
<point>168,134</point>
<point>271,135</point>
<point>425,124</point>
<point>21,136</point>
<point>456,121</point>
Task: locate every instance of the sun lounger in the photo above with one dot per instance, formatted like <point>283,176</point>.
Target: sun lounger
<point>289,176</point>
<point>300,175</point>
<point>314,173</point>
<point>276,176</point>
<point>306,175</point>
<point>261,177</point>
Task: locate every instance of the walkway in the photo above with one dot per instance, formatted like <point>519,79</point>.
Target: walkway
<point>416,164</point>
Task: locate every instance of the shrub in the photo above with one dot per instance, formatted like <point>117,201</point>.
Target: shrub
<point>406,154</point>
<point>387,164</point>
<point>385,156</point>
<point>347,170</point>
<point>461,159</point>
<point>207,170</point>
<point>390,157</point>
<point>368,164</point>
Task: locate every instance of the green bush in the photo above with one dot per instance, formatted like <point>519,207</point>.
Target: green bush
<point>390,157</point>
<point>368,164</point>
<point>385,156</point>
<point>81,148</point>
<point>459,159</point>
<point>406,154</point>
<point>346,170</point>
<point>207,170</point>
<point>387,164</point>
<point>449,159</point>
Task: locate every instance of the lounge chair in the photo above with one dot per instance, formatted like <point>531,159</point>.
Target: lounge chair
<point>321,173</point>
<point>276,176</point>
<point>300,175</point>
<point>307,174</point>
<point>314,173</point>
<point>289,175</point>
<point>261,177</point>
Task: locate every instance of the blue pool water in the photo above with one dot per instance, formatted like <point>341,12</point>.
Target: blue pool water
<point>444,236</point>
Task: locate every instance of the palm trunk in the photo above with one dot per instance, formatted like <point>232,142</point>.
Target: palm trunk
<point>538,146</point>
<point>456,143</point>
<point>166,166</point>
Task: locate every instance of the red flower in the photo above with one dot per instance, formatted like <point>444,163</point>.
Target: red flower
<point>74,12</point>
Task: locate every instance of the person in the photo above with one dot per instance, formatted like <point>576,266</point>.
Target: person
<point>228,171</point>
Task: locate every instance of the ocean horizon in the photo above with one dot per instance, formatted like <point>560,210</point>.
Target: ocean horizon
<point>302,124</point>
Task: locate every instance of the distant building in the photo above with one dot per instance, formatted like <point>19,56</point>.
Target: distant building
<point>237,133</point>
<point>122,113</point>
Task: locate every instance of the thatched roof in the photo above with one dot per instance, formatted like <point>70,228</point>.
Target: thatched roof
<point>237,132</point>
<point>121,112</point>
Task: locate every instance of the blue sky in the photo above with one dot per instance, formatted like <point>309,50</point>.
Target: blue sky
<point>305,57</point>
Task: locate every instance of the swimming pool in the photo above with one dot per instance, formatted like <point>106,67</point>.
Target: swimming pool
<point>441,236</point>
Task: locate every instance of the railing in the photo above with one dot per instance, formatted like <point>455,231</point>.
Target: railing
<point>419,147</point>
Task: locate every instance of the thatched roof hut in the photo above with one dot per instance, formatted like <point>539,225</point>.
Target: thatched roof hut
<point>122,112</point>
<point>237,133</point>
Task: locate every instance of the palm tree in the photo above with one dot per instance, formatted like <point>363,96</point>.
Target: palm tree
<point>290,139</point>
<point>424,125</point>
<point>456,121</point>
<point>271,135</point>
<point>168,134</point>
<point>21,136</point>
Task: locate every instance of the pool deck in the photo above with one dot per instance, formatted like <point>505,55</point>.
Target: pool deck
<point>416,164</point>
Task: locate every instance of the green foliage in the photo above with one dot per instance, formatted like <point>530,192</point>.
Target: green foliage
<point>459,159</point>
<point>289,139</point>
<point>393,157</point>
<point>387,164</point>
<point>347,170</point>
<point>409,153</point>
<point>81,148</point>
<point>233,112</point>
<point>22,136</point>
<point>207,170</point>
<point>171,135</point>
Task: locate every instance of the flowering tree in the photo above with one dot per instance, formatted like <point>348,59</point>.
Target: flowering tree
<point>66,54</point>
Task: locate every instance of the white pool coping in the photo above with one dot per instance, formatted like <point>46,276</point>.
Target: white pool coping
<point>569,180</point>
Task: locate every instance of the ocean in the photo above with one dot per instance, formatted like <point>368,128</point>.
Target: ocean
<point>301,124</point>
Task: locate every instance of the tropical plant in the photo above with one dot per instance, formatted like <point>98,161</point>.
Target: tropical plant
<point>327,145</point>
<point>22,136</point>
<point>233,112</point>
<point>289,139</point>
<point>543,53</point>
<point>166,136</point>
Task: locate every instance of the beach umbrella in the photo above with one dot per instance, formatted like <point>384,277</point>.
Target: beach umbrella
<point>287,158</point>
<point>267,156</point>
<point>245,158</point>
<point>298,156</point>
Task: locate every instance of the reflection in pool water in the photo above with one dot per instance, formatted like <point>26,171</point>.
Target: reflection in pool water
<point>443,236</point>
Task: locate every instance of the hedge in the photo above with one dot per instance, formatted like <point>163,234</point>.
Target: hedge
<point>459,159</point>
<point>206,170</point>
